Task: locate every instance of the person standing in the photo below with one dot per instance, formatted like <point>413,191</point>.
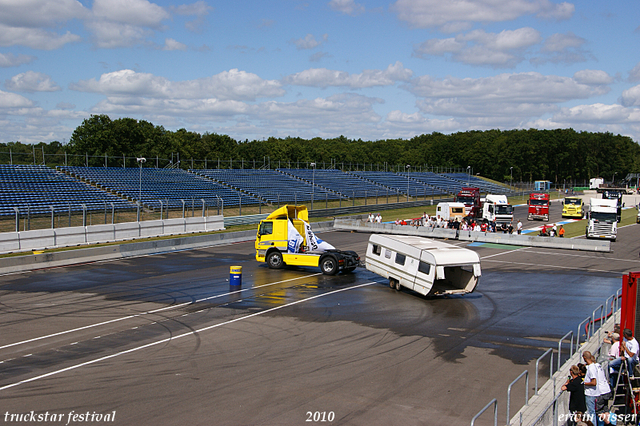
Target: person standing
<point>590,384</point>
<point>574,385</point>
<point>519,227</point>
<point>561,232</point>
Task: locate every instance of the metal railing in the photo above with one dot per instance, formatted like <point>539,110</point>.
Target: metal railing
<point>615,302</point>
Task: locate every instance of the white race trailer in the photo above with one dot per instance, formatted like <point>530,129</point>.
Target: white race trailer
<point>427,266</point>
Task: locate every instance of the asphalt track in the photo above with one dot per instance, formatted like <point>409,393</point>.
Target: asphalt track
<point>164,339</point>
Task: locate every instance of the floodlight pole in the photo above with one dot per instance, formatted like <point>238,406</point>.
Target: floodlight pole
<point>408,167</point>
<point>140,160</point>
<point>313,183</point>
<point>468,174</point>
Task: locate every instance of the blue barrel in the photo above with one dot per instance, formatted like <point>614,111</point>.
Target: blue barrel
<point>235,276</point>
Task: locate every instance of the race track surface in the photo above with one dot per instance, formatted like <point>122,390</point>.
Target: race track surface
<point>164,339</point>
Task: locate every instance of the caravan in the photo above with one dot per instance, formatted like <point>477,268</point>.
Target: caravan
<point>426,266</point>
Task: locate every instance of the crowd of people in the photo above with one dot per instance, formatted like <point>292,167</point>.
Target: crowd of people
<point>590,390</point>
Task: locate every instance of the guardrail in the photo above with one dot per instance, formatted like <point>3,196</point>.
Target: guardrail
<point>475,236</point>
<point>42,239</point>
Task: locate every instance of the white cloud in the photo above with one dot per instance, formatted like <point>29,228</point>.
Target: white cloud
<point>504,49</point>
<point>31,82</point>
<point>171,44</point>
<point>512,96</point>
<point>200,9</point>
<point>34,38</point>
<point>322,77</point>
<point>139,13</point>
<point>595,113</point>
<point>631,97</point>
<point>39,13</point>
<point>124,23</point>
<point>594,77</point>
<point>11,60</point>
<point>436,13</point>
<point>227,85</point>
<point>13,100</point>
<point>309,41</point>
<point>348,7</point>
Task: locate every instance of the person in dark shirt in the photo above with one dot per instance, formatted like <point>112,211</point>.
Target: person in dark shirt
<point>575,385</point>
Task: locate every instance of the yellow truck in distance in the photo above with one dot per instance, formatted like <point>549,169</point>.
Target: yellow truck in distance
<point>573,207</point>
<point>285,238</point>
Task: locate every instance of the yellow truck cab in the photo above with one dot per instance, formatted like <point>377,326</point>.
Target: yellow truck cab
<point>285,238</point>
<point>573,207</point>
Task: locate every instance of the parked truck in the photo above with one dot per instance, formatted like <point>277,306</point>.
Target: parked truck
<point>497,207</point>
<point>285,238</point>
<point>602,219</point>
<point>426,266</point>
<point>573,207</point>
<point>470,197</point>
<point>538,204</point>
<point>594,183</point>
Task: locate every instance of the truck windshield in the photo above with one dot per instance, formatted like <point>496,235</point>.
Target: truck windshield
<point>502,209</point>
<point>538,202</point>
<point>465,200</point>
<point>572,201</point>
<point>604,217</point>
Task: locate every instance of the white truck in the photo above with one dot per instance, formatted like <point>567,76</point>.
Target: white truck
<point>594,183</point>
<point>427,266</point>
<point>602,219</point>
<point>497,207</point>
<point>451,211</point>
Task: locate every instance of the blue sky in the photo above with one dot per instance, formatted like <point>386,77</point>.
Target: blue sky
<point>363,69</point>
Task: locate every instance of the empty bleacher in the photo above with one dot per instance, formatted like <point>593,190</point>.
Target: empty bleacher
<point>36,189</point>
<point>269,185</point>
<point>476,182</point>
<point>348,185</point>
<point>401,183</point>
<point>169,186</point>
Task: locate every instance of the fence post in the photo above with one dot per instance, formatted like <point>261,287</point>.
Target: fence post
<point>17,219</point>
<point>570,333</point>
<point>526,401</point>
<point>493,402</point>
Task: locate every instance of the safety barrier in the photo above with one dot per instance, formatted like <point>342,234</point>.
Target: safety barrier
<point>42,239</point>
<point>386,228</point>
<point>475,236</point>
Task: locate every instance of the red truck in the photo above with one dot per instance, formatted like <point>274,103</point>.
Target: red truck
<point>538,206</point>
<point>470,197</point>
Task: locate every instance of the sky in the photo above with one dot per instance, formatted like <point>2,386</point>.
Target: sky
<point>364,69</point>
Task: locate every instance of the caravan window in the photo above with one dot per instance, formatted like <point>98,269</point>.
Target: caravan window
<point>376,249</point>
<point>424,267</point>
<point>400,258</point>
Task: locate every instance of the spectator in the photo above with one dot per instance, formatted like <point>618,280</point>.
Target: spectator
<point>629,352</point>
<point>574,385</point>
<point>561,232</point>
<point>510,228</point>
<point>378,218</point>
<point>614,351</point>
<point>616,329</point>
<point>593,386</point>
<point>370,220</point>
<point>519,227</point>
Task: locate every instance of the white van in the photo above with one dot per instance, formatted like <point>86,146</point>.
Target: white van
<point>426,266</point>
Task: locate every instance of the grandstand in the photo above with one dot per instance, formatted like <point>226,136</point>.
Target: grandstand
<point>269,185</point>
<point>169,186</point>
<point>348,185</point>
<point>37,188</point>
<point>400,183</point>
<point>476,182</point>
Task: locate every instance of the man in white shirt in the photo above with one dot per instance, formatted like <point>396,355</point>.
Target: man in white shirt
<point>629,350</point>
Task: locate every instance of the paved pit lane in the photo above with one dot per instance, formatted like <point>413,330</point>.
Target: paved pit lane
<point>165,340</point>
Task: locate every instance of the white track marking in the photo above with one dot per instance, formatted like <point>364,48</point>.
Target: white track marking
<point>190,333</point>
<point>155,311</point>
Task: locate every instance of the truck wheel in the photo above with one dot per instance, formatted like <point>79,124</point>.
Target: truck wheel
<point>398,286</point>
<point>274,260</point>
<point>329,265</point>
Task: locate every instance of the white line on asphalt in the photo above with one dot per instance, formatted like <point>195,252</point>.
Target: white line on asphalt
<point>168,339</point>
<point>155,311</point>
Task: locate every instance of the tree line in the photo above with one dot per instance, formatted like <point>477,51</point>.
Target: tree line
<point>560,155</point>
